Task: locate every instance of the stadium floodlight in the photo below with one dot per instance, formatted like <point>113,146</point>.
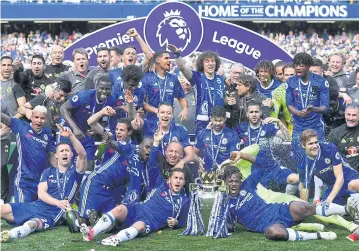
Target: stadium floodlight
<point>320,22</point>
<point>267,22</point>
<point>47,21</point>
<point>102,21</point>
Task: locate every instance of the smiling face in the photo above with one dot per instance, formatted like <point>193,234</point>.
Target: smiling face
<point>176,181</point>
<point>352,117</point>
<point>335,64</point>
<point>174,153</point>
<point>264,76</point>
<point>103,91</point>
<point>165,115</point>
<point>288,72</point>
<point>311,147</point>
<point>63,155</point>
<point>37,120</point>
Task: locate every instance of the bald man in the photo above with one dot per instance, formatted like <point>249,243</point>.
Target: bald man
<point>56,67</point>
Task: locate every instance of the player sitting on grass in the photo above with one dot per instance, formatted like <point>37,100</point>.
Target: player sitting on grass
<point>274,219</point>
<point>56,191</point>
<point>165,206</point>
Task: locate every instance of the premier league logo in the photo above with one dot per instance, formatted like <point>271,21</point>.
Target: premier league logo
<point>173,23</point>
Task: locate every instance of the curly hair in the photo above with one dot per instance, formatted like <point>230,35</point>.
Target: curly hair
<point>230,170</point>
<point>248,81</point>
<point>218,111</point>
<point>203,56</point>
<point>132,73</point>
<point>303,58</point>
<point>267,66</point>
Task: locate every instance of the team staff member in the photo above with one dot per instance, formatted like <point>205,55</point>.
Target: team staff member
<point>56,67</point>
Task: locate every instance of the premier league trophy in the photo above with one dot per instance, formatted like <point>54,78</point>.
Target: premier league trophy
<point>208,208</point>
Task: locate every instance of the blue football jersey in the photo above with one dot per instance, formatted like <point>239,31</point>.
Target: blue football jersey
<point>267,91</point>
<point>33,148</point>
<point>210,93</point>
<point>315,93</point>
<point>85,104</point>
<point>322,165</point>
<point>217,147</point>
<point>160,90</point>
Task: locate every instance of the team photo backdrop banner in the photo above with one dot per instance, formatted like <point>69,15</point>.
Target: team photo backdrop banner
<point>179,24</point>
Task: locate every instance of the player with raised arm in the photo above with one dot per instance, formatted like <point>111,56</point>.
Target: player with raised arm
<point>210,86</point>
<point>166,206</point>
<point>56,192</point>
<point>35,147</point>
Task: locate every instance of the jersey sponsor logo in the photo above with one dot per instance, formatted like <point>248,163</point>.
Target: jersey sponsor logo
<point>247,198</point>
<point>330,168</point>
<point>75,98</point>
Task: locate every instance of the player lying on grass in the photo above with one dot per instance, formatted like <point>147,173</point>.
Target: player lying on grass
<point>165,206</point>
<point>56,191</point>
<point>273,219</point>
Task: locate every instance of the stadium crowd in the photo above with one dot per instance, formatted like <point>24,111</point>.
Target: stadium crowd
<point>143,113</point>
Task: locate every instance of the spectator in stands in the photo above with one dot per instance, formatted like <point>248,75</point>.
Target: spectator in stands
<point>77,75</point>
<point>115,57</point>
<point>56,67</point>
<point>33,81</point>
<point>12,96</point>
<point>336,64</point>
<point>103,68</point>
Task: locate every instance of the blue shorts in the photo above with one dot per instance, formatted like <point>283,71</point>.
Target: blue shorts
<point>24,212</point>
<point>276,178</point>
<point>95,196</point>
<point>26,191</point>
<point>136,213</point>
<point>275,214</point>
<point>344,193</point>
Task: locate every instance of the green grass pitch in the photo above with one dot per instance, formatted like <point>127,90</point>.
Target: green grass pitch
<point>61,239</point>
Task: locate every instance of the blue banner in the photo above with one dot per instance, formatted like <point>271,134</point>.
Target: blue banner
<point>339,11</point>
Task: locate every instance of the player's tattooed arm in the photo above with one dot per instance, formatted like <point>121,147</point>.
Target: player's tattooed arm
<point>187,72</point>
<point>6,120</point>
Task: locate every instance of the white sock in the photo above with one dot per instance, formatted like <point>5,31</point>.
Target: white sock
<point>300,235</point>
<point>291,189</point>
<point>318,188</point>
<point>104,223</point>
<point>127,234</point>
<point>355,196</point>
<point>325,209</point>
<point>22,231</point>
